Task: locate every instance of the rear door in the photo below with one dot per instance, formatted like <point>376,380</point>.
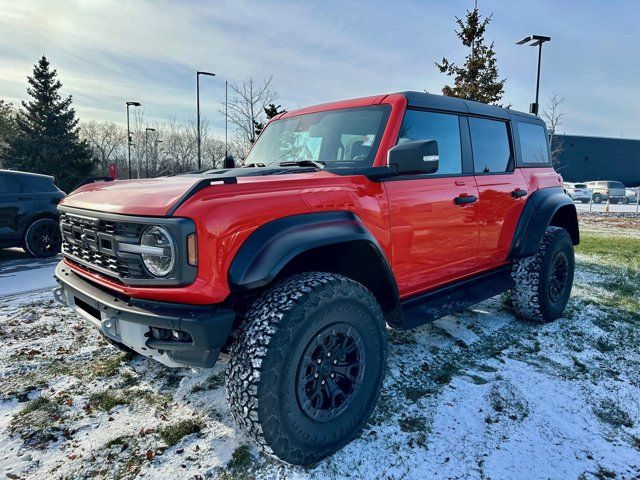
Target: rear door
<point>502,188</point>
<point>434,239</point>
<point>12,204</point>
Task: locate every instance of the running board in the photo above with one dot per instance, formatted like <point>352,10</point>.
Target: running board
<point>452,298</point>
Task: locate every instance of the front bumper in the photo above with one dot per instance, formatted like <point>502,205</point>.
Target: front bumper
<point>135,323</point>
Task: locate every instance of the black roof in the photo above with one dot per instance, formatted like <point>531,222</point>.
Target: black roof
<point>27,174</point>
<point>453,104</point>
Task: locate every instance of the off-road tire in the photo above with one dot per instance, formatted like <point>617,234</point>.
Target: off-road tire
<point>264,364</point>
<point>534,296</point>
<point>43,238</point>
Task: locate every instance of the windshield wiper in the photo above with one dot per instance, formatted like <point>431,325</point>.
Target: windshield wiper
<point>303,163</point>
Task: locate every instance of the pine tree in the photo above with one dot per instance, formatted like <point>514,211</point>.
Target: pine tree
<point>270,111</point>
<point>478,79</point>
<point>7,127</point>
<point>47,139</point>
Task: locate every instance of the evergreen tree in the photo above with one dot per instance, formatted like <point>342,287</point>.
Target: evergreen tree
<point>8,127</point>
<point>478,79</point>
<point>47,138</point>
<point>270,111</point>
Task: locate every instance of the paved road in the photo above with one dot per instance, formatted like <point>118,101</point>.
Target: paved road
<point>20,272</point>
<point>600,207</point>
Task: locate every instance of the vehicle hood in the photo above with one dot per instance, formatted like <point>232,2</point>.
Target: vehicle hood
<point>156,196</point>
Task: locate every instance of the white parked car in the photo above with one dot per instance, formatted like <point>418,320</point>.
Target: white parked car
<point>579,192</point>
<point>632,195</point>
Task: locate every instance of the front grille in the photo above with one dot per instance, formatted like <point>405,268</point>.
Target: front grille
<point>91,241</point>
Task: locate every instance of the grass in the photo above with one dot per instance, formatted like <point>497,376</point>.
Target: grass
<point>613,251</point>
<point>412,424</point>
<point>108,367</point>
<point>174,433</point>
<point>211,383</point>
<point>612,414</point>
<point>106,400</point>
<point>240,458</point>
<point>36,421</point>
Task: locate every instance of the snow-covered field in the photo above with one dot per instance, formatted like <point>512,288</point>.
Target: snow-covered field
<point>475,395</point>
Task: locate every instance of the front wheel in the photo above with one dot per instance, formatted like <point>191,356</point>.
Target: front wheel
<point>597,198</point>
<point>307,367</point>
<point>625,200</point>
<point>43,238</point>
<point>544,281</point>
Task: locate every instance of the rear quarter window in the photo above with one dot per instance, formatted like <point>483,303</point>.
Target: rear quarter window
<point>533,143</point>
<point>37,184</point>
<point>615,185</point>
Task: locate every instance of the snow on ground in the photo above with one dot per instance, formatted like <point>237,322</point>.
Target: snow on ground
<point>20,273</point>
<point>476,395</point>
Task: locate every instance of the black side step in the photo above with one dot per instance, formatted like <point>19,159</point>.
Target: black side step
<point>452,298</point>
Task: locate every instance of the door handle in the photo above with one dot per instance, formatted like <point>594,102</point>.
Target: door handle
<point>464,198</point>
<point>517,193</point>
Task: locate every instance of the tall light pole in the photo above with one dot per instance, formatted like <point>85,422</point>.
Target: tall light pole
<point>130,104</point>
<point>198,73</point>
<point>146,144</point>
<point>536,41</point>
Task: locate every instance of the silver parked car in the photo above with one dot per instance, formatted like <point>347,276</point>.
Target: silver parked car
<point>579,192</point>
<point>632,195</point>
<point>603,190</point>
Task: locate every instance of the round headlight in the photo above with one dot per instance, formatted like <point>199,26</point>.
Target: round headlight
<point>159,264</point>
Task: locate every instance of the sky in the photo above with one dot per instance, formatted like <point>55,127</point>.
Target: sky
<point>108,52</point>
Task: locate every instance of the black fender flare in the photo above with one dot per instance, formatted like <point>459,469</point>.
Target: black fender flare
<point>273,245</point>
<point>538,213</point>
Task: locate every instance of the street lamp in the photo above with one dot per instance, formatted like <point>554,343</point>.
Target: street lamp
<point>146,144</point>
<point>536,41</point>
<point>198,73</point>
<point>130,104</point>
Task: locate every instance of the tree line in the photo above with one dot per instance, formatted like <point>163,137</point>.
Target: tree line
<point>45,135</point>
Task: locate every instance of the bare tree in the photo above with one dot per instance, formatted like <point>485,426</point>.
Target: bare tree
<point>553,116</point>
<point>246,106</point>
<point>107,142</point>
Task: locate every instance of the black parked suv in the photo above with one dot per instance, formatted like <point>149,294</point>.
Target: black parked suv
<point>29,213</point>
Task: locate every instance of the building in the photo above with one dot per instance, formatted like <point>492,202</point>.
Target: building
<point>598,158</point>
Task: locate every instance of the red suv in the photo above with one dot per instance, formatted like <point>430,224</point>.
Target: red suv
<point>346,218</point>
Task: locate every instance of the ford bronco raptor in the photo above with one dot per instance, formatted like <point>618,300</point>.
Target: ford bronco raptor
<point>347,217</point>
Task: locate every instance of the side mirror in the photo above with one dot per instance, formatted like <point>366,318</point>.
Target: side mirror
<point>229,162</point>
<point>416,157</point>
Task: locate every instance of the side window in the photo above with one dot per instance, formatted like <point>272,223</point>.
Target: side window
<point>8,184</point>
<point>533,143</point>
<point>490,145</point>
<point>442,127</point>
<point>37,185</point>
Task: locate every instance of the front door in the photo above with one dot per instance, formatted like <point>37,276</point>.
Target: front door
<point>434,217</point>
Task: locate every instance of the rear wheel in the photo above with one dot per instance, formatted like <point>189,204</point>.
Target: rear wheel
<point>625,200</point>
<point>585,200</point>
<point>43,238</point>
<point>544,281</point>
<point>613,200</point>
<point>306,369</point>
<point>597,198</point>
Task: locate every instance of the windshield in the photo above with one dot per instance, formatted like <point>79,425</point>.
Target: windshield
<point>336,138</point>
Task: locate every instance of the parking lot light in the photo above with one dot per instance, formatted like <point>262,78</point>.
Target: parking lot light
<point>535,41</point>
